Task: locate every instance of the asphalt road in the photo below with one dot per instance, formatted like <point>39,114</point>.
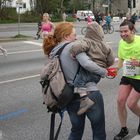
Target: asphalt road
<point>30,29</point>
<point>22,115</point>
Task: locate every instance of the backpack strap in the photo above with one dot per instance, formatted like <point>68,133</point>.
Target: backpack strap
<point>58,54</point>
<point>52,126</point>
<point>58,130</point>
<point>61,49</point>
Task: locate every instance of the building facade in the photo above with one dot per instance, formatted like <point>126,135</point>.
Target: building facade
<point>21,5</point>
<point>115,6</point>
<point>121,6</point>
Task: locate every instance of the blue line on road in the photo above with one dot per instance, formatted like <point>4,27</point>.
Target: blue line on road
<point>12,114</point>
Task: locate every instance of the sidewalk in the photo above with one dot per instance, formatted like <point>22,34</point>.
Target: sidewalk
<point>9,31</point>
<point>136,137</point>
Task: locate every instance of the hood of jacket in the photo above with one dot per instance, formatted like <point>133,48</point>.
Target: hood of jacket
<point>94,32</point>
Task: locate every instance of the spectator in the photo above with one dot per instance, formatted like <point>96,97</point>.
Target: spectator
<point>89,19</point>
<point>63,33</point>
<point>129,17</point>
<point>108,20</point>
<point>134,18</point>
<point>64,16</point>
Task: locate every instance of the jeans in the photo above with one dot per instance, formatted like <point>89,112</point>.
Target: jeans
<point>95,115</point>
<point>108,25</point>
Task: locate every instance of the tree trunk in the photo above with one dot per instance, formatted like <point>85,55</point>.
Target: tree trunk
<point>61,6</point>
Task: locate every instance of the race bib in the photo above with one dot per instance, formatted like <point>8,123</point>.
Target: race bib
<point>129,69</point>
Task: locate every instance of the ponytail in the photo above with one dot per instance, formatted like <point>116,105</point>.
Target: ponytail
<point>48,44</point>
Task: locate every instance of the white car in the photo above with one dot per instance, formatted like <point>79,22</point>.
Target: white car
<point>83,15</point>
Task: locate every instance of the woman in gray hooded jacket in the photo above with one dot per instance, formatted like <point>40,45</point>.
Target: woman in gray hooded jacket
<point>64,33</point>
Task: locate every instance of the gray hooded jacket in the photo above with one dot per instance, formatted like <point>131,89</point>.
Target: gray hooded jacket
<point>70,65</point>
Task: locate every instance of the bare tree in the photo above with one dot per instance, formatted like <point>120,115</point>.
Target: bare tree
<point>61,6</point>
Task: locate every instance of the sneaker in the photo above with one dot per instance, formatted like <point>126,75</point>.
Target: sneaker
<point>85,104</point>
<point>139,128</point>
<point>122,135</point>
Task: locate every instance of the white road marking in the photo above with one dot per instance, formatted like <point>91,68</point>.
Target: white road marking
<point>28,51</point>
<point>20,52</point>
<point>34,43</point>
<point>18,79</point>
<point>28,77</point>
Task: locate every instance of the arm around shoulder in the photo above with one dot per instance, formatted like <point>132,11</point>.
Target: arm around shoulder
<point>78,47</point>
<point>89,65</point>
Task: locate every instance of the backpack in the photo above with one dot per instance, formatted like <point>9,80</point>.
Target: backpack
<point>57,93</point>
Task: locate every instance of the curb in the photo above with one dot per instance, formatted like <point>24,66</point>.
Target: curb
<point>10,39</point>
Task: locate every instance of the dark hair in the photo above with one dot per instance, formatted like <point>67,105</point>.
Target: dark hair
<point>129,23</point>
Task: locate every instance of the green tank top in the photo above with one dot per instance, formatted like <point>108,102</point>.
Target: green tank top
<point>128,51</point>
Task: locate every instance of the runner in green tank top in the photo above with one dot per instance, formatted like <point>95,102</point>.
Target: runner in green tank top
<point>129,89</point>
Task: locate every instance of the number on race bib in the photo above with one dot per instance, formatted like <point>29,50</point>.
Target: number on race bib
<point>129,69</point>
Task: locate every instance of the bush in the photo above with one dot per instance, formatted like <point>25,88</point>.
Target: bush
<point>70,19</point>
<point>30,16</point>
<point>8,15</point>
<point>56,18</point>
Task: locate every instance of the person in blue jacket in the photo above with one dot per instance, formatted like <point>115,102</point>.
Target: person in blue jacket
<point>108,20</point>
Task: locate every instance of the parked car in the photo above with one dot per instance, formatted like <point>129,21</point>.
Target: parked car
<point>83,15</point>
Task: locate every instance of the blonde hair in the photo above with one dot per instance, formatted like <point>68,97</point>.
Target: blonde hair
<point>46,14</point>
<point>61,31</point>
